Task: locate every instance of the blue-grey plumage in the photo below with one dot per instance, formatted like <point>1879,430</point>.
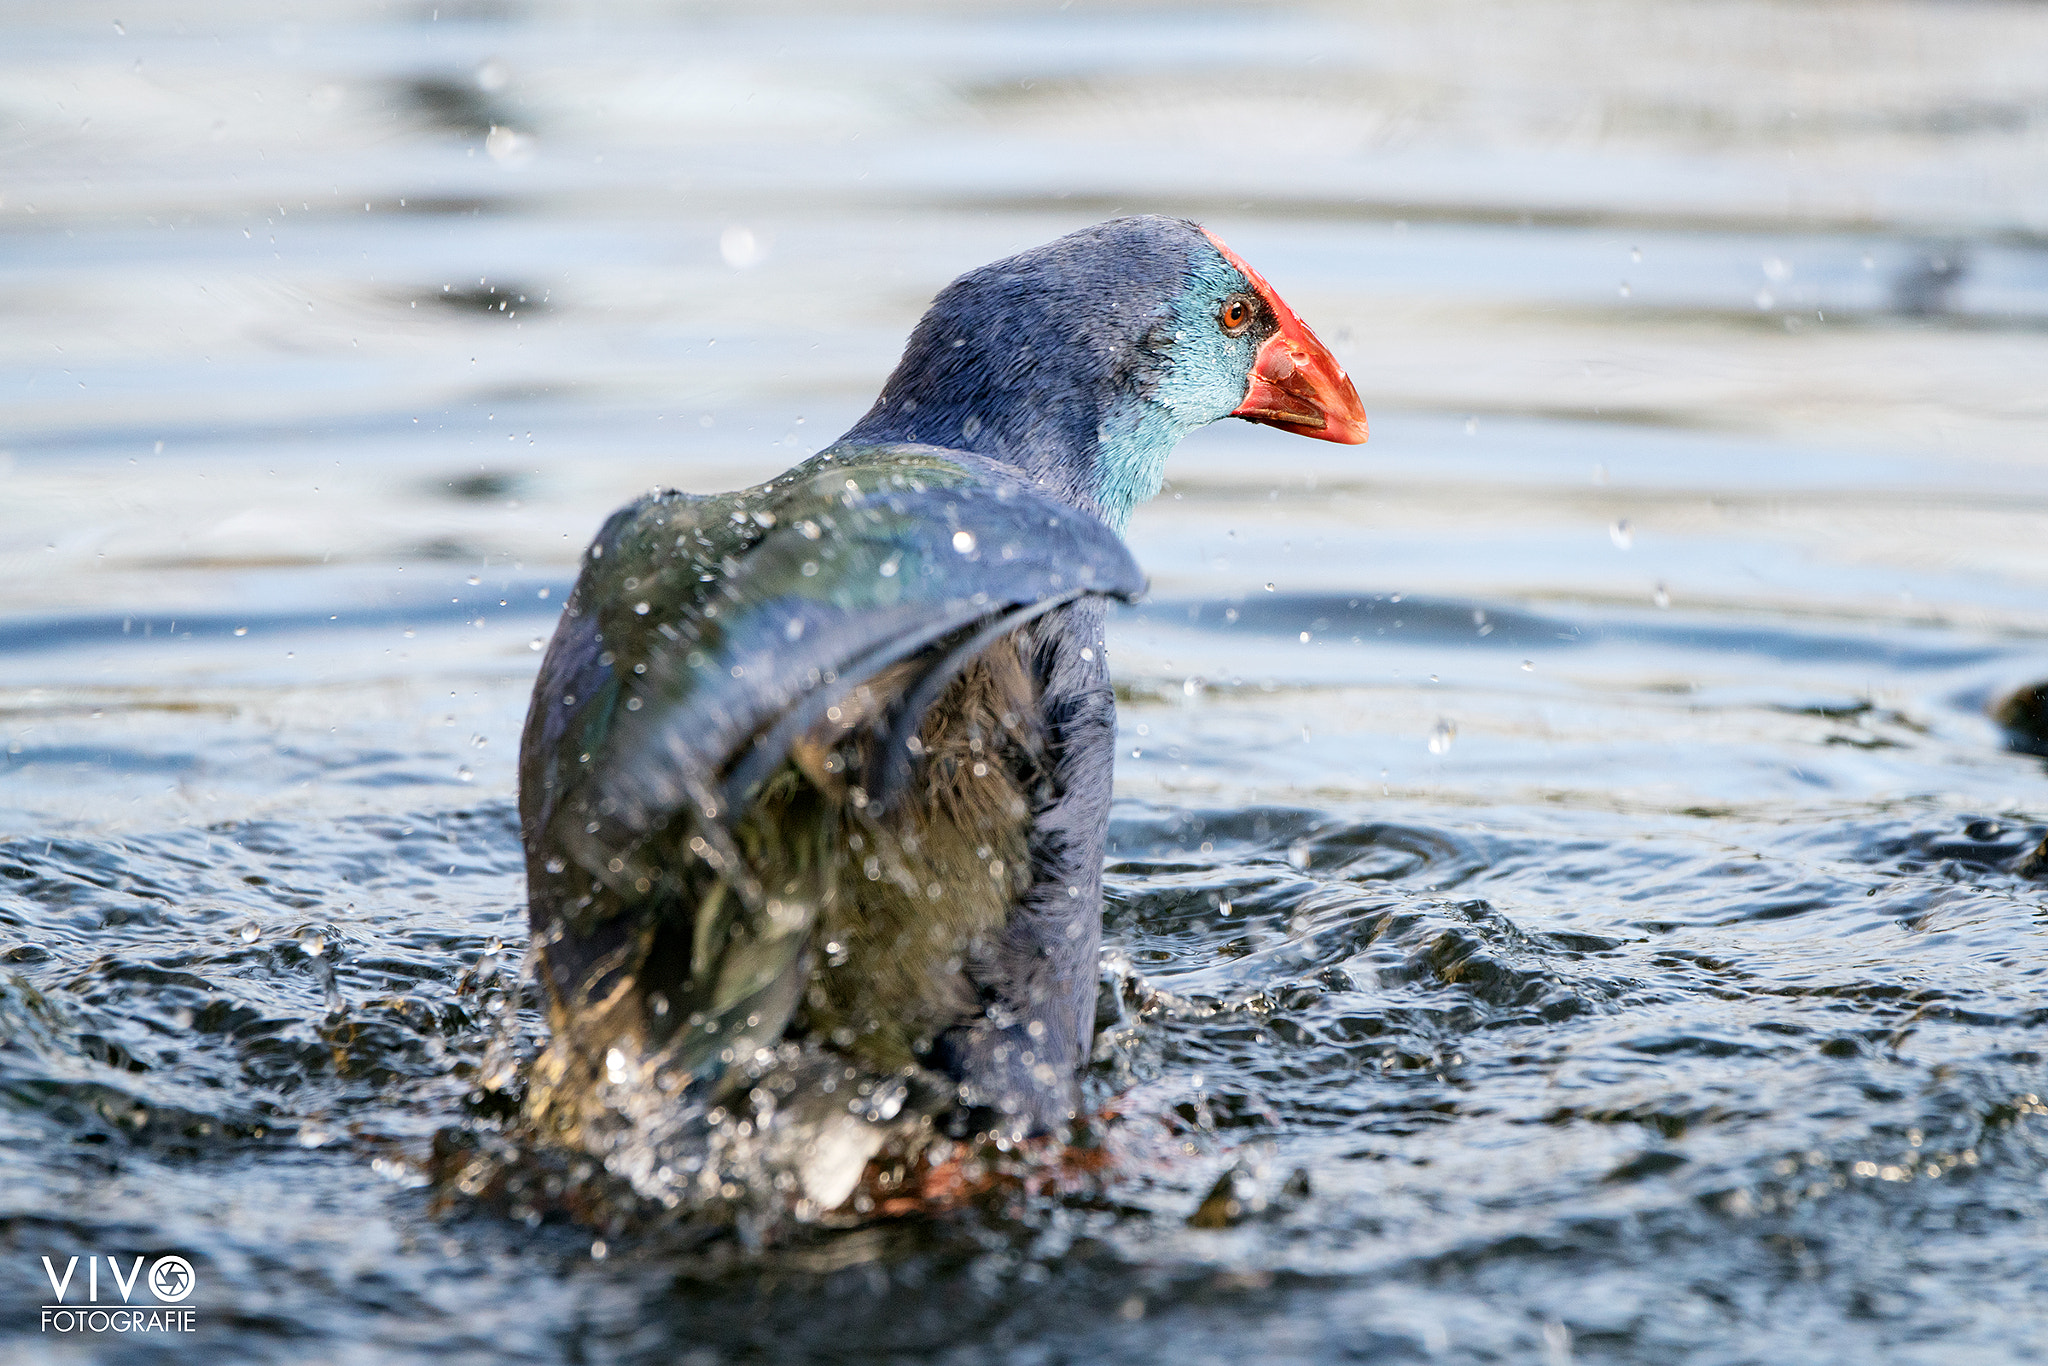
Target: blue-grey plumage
<point>816,779</point>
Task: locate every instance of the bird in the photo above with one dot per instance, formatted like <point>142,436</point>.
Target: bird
<point>814,785</point>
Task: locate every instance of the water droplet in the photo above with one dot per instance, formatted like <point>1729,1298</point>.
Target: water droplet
<point>1441,736</point>
<point>616,1069</point>
<point>312,944</point>
<point>241,630</point>
<point>741,248</point>
<point>1528,666</point>
<point>1764,298</point>
<point>1623,290</point>
<point>1269,588</point>
<point>533,644</point>
<point>640,609</point>
<point>963,541</point>
<point>1622,534</point>
<point>250,932</point>
<point>1660,596</point>
<point>506,147</point>
<point>493,946</point>
<point>463,774</point>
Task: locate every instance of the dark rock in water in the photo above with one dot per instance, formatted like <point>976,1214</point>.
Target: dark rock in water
<point>1226,1205</point>
<point>2024,715</point>
<point>2035,863</point>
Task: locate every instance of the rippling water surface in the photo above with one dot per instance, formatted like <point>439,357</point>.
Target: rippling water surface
<point>1569,899</point>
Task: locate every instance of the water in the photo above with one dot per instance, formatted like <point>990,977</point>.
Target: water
<point>1567,897</point>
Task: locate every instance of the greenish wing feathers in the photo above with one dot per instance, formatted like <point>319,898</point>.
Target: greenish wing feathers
<point>706,635</point>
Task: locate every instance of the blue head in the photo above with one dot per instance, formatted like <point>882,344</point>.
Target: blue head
<point>1085,361</point>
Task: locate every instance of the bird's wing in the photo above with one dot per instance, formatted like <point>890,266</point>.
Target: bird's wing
<point>707,636</point>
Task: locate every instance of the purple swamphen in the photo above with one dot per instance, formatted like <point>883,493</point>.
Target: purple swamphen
<point>815,783</point>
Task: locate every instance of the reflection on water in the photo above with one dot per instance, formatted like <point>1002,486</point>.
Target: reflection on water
<point>1572,898</point>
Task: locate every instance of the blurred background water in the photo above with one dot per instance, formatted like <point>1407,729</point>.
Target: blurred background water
<point>1569,896</point>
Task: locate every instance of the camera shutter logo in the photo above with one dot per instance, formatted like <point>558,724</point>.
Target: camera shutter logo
<point>171,1279</point>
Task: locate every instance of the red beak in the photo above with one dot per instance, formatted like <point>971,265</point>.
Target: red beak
<point>1296,384</point>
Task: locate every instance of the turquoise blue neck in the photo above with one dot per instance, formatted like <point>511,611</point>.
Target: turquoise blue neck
<point>1130,455</point>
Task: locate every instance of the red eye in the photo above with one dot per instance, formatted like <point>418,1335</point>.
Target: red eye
<point>1234,315</point>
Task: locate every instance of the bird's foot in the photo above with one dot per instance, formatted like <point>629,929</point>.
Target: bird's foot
<point>941,1174</point>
